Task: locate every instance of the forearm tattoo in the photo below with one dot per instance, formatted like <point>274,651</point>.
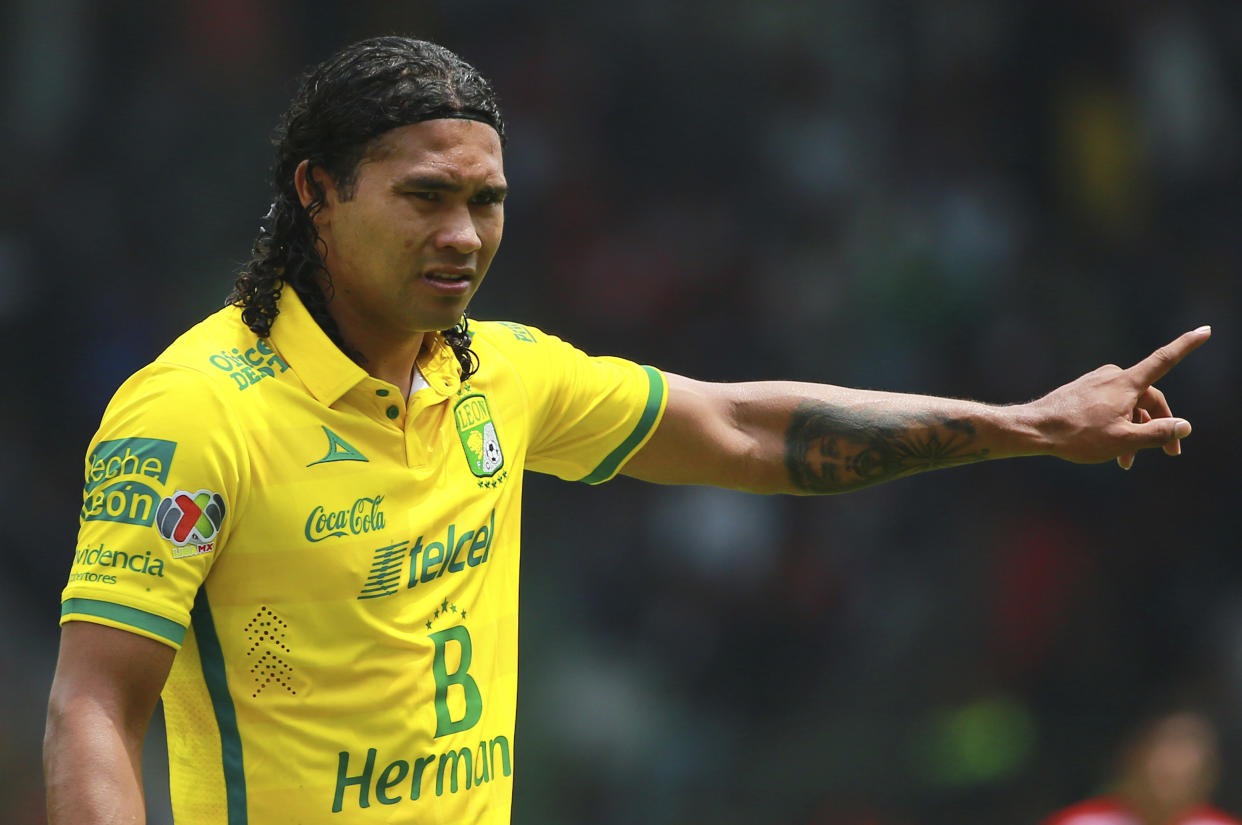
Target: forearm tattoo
<point>832,449</point>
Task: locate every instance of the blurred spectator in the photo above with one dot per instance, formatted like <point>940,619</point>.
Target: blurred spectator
<point>1165,776</point>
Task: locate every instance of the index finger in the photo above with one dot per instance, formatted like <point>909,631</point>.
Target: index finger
<point>1152,368</point>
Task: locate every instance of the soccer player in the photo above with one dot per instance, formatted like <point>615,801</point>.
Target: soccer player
<point>1165,776</point>
<point>300,522</point>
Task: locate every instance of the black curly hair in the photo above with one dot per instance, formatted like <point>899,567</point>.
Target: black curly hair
<point>341,108</point>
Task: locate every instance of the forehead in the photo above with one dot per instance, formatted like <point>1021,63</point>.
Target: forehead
<point>461,148</point>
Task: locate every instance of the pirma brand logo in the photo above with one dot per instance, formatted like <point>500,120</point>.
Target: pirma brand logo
<point>478,435</point>
<point>190,519</point>
<point>339,450</point>
<point>119,475</point>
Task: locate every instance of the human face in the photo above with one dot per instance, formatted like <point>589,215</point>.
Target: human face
<point>1176,762</point>
<point>410,245</point>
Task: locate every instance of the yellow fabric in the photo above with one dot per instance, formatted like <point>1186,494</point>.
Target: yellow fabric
<point>338,567</point>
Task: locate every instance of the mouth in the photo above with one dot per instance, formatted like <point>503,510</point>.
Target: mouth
<point>451,279</point>
<point>449,276</point>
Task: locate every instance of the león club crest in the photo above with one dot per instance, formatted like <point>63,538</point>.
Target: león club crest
<point>478,436</point>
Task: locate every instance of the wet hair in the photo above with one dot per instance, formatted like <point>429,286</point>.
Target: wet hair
<point>340,111</point>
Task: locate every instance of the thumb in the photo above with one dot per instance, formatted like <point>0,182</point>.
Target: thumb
<point>1159,431</point>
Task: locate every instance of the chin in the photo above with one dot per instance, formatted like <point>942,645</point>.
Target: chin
<point>435,325</point>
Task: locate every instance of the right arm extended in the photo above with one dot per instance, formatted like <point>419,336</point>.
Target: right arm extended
<point>104,692</point>
<point>787,437</point>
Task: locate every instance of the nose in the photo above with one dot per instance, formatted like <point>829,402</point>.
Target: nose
<point>458,232</point>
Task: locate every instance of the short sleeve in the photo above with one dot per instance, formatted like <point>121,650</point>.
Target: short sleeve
<point>590,413</point>
<point>164,478</point>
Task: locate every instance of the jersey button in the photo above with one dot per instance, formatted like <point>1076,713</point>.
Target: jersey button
<point>381,393</point>
<point>393,411</point>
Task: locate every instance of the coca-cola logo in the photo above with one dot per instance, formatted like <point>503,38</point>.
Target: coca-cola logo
<point>363,516</point>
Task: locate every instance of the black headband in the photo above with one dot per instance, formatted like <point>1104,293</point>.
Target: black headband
<point>445,112</point>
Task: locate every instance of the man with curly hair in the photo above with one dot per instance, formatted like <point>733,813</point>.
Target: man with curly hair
<point>300,523</point>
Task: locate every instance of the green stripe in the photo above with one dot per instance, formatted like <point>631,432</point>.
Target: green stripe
<point>655,397</point>
<point>141,619</point>
<point>211,657</point>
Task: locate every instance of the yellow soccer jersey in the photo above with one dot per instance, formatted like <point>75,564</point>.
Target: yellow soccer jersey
<point>338,566</point>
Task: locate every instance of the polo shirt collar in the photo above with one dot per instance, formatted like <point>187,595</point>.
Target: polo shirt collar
<point>439,366</point>
<point>329,373</point>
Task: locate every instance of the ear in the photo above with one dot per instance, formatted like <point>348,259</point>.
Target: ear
<point>303,176</point>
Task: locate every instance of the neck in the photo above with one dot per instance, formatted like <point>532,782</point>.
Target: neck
<point>395,364</point>
<point>385,356</point>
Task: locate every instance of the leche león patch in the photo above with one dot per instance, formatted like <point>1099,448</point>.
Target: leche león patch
<point>122,478</point>
<point>478,435</point>
<point>190,521</point>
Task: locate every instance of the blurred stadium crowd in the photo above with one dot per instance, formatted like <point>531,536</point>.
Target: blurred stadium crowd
<point>958,197</point>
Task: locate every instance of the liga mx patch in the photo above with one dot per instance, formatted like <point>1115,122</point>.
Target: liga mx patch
<point>478,435</point>
<point>190,521</point>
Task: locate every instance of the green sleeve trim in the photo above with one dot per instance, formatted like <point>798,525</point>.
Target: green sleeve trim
<point>655,402</point>
<point>211,658</point>
<point>141,619</point>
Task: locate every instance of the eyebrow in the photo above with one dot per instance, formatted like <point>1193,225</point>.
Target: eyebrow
<point>437,183</point>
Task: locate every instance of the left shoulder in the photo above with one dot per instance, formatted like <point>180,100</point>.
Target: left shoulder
<point>522,347</point>
<point>542,361</point>
<point>505,334</point>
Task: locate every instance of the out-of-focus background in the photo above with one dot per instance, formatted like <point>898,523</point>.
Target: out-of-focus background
<point>959,197</point>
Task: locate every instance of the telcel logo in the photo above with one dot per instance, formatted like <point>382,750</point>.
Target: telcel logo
<point>363,516</point>
<point>117,479</point>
